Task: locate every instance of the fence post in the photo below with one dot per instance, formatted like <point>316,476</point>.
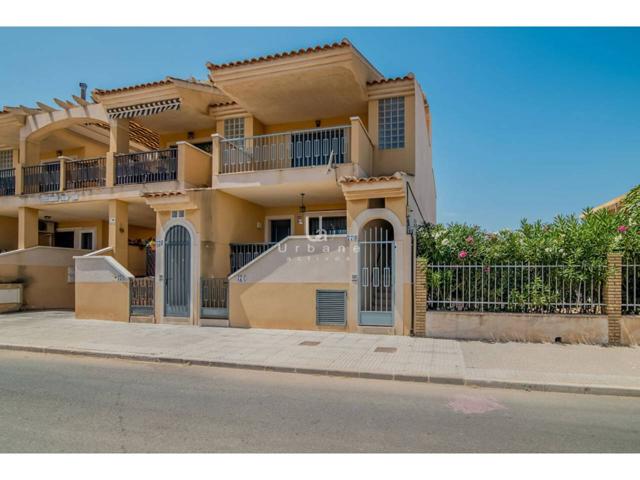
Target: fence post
<point>613,296</point>
<point>419,322</point>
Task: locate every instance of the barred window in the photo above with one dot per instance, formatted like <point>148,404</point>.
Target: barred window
<point>391,123</point>
<point>6,159</point>
<point>234,128</point>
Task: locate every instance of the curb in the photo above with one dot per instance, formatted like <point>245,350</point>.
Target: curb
<point>526,386</point>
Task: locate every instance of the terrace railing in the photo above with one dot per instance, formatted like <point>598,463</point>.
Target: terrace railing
<point>146,167</point>
<point>7,182</point>
<point>243,253</point>
<point>516,288</point>
<point>631,287</point>
<point>42,178</point>
<point>302,148</point>
<point>85,173</point>
<point>214,296</point>
<point>142,295</point>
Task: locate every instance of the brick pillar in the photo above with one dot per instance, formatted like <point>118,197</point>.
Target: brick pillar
<point>613,297</point>
<point>420,305</point>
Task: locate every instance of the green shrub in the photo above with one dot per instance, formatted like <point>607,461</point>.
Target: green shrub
<point>581,241</point>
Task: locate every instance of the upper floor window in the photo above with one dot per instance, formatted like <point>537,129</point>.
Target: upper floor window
<point>234,128</point>
<point>391,123</point>
<point>6,159</point>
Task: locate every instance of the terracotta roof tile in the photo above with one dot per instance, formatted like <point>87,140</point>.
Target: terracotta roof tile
<point>163,194</point>
<point>222,104</point>
<point>408,76</point>
<point>166,81</point>
<point>385,178</point>
<point>275,56</point>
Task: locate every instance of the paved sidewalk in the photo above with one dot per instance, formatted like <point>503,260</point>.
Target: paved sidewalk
<point>548,367</point>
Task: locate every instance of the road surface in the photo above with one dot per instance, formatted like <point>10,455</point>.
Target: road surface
<point>56,403</point>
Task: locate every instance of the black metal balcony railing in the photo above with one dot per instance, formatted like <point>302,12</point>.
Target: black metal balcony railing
<point>7,182</point>
<point>85,173</point>
<point>243,253</point>
<point>302,148</point>
<point>147,167</point>
<point>42,178</point>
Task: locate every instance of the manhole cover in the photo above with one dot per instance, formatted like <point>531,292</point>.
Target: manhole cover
<point>386,349</point>
<point>309,343</point>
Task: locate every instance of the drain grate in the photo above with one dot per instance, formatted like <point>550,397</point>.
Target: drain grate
<point>386,350</point>
<point>309,343</point>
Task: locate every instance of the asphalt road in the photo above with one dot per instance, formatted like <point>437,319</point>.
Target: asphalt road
<point>54,403</point>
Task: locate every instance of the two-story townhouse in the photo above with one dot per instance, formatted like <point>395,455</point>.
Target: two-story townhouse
<point>282,192</point>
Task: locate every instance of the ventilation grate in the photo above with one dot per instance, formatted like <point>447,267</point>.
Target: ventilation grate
<point>331,307</point>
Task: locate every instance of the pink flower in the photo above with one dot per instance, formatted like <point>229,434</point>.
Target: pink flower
<point>623,228</point>
<point>469,239</point>
<point>463,254</point>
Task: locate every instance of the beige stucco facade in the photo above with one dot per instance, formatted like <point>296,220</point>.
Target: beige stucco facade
<point>175,191</point>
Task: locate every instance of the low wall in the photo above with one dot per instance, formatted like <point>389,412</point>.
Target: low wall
<point>630,329</point>
<point>46,274</point>
<point>518,327</point>
<point>10,297</point>
<point>278,289</point>
<point>102,289</point>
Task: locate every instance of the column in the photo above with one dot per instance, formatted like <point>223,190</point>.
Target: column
<point>420,305</point>
<point>119,231</point>
<point>216,156</point>
<point>613,297</point>
<point>27,227</point>
<point>118,143</point>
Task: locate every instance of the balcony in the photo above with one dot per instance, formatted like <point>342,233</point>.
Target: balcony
<point>186,164</point>
<point>42,178</point>
<point>146,167</point>
<point>295,149</point>
<point>272,169</point>
<point>86,173</point>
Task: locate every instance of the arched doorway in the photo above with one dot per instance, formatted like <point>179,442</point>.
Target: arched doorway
<point>376,273</point>
<point>177,272</point>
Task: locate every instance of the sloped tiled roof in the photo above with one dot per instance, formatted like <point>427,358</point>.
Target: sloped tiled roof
<point>408,76</point>
<point>166,81</point>
<point>275,56</point>
<point>384,178</point>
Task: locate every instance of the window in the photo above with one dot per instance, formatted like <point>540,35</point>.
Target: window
<point>234,128</point>
<point>177,214</point>
<point>391,123</point>
<point>6,159</point>
<point>327,224</point>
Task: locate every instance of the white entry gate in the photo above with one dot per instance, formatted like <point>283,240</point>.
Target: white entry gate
<point>376,275</point>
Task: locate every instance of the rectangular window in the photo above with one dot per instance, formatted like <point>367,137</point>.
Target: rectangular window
<point>327,225</point>
<point>6,159</point>
<point>234,128</point>
<point>391,123</point>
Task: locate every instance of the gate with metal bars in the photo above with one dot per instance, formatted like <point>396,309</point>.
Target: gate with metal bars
<point>177,272</point>
<point>376,284</point>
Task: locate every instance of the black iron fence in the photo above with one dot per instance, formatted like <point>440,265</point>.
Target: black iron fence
<point>631,287</point>
<point>85,173</point>
<point>42,178</point>
<point>517,288</point>
<point>243,253</point>
<point>147,167</point>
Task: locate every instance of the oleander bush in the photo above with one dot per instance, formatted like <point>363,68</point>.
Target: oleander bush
<point>568,240</point>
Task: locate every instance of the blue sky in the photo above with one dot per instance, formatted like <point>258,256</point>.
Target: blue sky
<point>526,122</point>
